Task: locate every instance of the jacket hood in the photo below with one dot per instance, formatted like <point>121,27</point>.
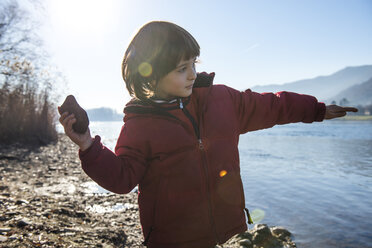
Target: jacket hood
<point>136,106</point>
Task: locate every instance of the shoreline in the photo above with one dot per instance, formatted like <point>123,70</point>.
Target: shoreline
<point>356,118</point>
<point>45,202</point>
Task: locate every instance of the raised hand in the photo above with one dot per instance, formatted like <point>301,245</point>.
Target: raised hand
<point>84,140</point>
<point>335,111</point>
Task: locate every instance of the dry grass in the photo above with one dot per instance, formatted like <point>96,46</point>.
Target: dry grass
<point>26,116</point>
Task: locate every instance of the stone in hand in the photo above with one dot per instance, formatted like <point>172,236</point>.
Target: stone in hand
<point>71,106</point>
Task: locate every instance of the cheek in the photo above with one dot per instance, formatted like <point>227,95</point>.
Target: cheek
<point>176,84</point>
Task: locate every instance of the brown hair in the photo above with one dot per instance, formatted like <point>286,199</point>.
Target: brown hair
<point>155,50</point>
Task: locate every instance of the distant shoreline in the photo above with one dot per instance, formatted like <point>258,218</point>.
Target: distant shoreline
<point>356,118</point>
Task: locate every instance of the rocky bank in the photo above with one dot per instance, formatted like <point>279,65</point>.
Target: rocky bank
<point>46,200</point>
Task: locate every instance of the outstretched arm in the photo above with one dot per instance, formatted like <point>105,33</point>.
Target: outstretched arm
<point>335,111</point>
<point>263,110</point>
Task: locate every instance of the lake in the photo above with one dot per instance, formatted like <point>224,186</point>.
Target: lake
<point>313,179</point>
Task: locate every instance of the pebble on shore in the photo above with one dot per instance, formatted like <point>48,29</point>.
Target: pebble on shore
<point>44,202</point>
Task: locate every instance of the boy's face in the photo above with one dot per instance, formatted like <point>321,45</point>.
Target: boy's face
<point>179,82</point>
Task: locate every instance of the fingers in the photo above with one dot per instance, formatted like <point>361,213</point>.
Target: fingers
<point>350,109</point>
<point>338,114</point>
<point>342,114</point>
<point>67,120</point>
<point>63,116</point>
<point>334,111</point>
<point>342,111</point>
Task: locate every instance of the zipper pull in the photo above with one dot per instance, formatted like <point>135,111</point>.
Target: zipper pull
<point>250,221</point>
<point>181,104</point>
<point>201,146</point>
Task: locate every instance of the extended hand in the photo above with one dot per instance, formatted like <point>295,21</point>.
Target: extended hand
<point>334,111</point>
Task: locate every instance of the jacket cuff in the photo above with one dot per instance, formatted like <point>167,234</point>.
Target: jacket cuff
<point>92,152</point>
<point>321,109</point>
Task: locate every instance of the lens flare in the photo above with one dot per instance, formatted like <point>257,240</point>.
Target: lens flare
<point>223,173</point>
<point>145,69</point>
<point>257,215</point>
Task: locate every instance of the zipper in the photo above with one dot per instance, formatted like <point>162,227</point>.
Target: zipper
<point>145,242</point>
<point>201,147</point>
<point>250,221</point>
<point>193,122</point>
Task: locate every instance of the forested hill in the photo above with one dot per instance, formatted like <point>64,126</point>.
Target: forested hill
<point>359,94</point>
<point>104,114</point>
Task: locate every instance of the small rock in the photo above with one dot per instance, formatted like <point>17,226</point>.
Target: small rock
<point>245,243</point>
<point>3,238</point>
<point>68,234</point>
<point>21,201</point>
<point>3,218</point>
<point>38,183</point>
<point>23,223</point>
<point>63,211</point>
<point>12,213</point>
<point>246,235</point>
<point>280,232</point>
<point>80,214</point>
<point>13,237</point>
<point>12,207</point>
<point>3,187</point>
<point>47,213</point>
<point>5,229</point>
<point>261,233</point>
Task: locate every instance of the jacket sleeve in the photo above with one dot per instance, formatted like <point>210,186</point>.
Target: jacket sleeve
<point>117,172</point>
<point>263,110</point>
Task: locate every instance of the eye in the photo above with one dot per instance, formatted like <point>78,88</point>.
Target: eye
<point>196,61</point>
<point>182,69</point>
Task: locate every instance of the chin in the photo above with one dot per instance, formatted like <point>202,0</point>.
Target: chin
<point>188,93</point>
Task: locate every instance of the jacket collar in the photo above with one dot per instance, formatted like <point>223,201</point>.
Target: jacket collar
<point>204,79</point>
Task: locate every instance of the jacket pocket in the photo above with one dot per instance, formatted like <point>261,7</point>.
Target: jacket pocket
<point>150,212</point>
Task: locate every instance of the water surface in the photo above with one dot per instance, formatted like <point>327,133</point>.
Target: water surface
<point>314,179</point>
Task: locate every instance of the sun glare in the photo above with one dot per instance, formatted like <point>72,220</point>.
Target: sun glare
<point>80,16</point>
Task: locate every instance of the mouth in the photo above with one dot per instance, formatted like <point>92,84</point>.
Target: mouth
<point>190,86</point>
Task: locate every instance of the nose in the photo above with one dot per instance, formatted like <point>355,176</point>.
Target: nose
<point>192,74</point>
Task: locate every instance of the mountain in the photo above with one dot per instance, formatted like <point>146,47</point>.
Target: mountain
<point>104,114</point>
<point>359,94</point>
<point>324,87</point>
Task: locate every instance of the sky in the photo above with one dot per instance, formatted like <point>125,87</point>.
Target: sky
<point>246,43</point>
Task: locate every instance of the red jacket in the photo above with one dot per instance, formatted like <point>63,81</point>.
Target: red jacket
<point>184,157</point>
